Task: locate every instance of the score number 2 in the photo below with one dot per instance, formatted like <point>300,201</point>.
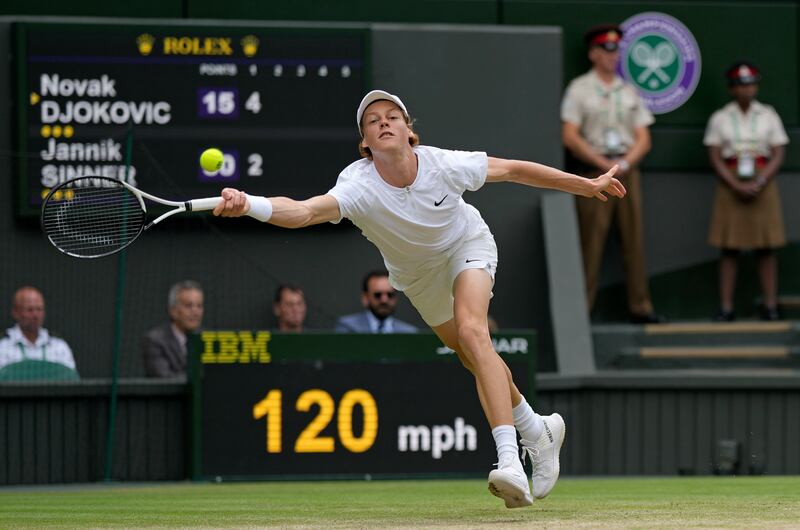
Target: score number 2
<point>309,440</point>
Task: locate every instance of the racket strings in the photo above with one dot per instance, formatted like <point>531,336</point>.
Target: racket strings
<point>92,221</point>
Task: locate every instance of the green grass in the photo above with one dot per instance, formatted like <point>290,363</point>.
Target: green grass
<point>575,503</point>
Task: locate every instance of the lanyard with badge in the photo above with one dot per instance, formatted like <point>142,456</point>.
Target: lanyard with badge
<point>745,158</point>
<point>612,137</point>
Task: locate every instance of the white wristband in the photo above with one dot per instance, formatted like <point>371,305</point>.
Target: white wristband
<point>260,208</point>
<point>623,164</point>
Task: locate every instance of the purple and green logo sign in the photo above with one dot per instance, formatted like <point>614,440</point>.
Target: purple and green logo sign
<point>660,56</point>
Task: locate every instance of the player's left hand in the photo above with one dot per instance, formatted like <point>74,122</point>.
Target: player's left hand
<point>606,183</point>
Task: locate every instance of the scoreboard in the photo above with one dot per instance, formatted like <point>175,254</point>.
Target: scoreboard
<point>140,103</point>
<point>326,405</point>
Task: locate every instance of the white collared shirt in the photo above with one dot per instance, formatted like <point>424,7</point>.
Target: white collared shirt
<point>374,324</point>
<point>15,347</point>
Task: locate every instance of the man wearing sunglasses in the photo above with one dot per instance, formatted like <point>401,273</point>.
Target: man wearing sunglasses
<point>379,299</point>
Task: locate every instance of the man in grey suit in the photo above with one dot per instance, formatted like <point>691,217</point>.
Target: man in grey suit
<point>164,347</point>
<point>379,299</point>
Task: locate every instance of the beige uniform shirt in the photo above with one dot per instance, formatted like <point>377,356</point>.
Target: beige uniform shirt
<point>755,132</point>
<point>596,107</point>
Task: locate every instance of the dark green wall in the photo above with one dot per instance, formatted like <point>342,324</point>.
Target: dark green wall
<point>95,8</point>
<point>764,32</point>
<point>450,11</point>
<point>681,264</point>
<point>54,435</point>
<point>658,424</point>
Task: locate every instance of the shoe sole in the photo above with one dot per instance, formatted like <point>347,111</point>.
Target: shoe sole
<point>508,491</point>
<point>558,454</point>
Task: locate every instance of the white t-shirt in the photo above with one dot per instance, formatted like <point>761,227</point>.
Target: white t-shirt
<point>15,347</point>
<point>415,226</point>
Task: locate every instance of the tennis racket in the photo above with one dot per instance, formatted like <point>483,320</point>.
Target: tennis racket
<point>92,217</point>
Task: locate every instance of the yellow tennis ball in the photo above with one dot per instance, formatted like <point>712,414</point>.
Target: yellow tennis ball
<point>211,160</point>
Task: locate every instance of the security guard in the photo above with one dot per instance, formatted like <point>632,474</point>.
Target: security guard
<point>604,122</point>
<point>745,141</point>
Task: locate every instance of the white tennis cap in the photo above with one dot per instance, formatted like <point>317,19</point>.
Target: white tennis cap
<point>372,97</point>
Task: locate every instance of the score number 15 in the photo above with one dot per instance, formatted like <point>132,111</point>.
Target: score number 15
<point>223,102</point>
<point>309,440</point>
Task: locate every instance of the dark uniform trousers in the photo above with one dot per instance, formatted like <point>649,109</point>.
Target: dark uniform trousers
<point>594,218</point>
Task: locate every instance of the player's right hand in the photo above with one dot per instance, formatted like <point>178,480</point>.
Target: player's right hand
<point>234,203</point>
<point>606,183</point>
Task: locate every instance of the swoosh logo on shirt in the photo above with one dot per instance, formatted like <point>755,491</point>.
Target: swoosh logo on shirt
<point>471,260</point>
<point>440,202</point>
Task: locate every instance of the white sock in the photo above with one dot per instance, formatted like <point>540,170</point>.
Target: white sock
<point>505,437</point>
<point>528,423</point>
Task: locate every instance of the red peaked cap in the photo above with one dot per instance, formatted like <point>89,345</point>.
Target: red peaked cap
<point>742,73</point>
<point>606,36</point>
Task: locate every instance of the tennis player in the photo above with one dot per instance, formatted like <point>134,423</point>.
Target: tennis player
<point>406,199</point>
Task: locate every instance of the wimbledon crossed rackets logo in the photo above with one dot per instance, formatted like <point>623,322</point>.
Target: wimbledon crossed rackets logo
<point>654,62</point>
<point>659,55</point>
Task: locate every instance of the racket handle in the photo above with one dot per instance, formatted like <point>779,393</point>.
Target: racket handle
<point>199,205</point>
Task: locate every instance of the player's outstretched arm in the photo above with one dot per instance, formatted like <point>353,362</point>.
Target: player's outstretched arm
<point>279,211</point>
<point>541,176</point>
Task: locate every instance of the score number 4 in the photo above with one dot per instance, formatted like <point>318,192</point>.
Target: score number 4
<point>222,103</point>
<point>309,440</point>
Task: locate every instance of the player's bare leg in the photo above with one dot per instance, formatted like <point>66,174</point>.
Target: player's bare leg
<point>472,290</point>
<point>469,333</point>
<point>449,336</point>
<point>542,437</point>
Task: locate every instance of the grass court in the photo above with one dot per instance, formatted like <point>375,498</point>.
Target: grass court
<point>702,502</point>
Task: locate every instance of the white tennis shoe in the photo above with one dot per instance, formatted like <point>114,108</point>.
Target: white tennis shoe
<point>510,483</point>
<point>544,455</point>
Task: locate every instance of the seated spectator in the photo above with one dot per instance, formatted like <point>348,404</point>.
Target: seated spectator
<point>289,308</point>
<point>28,340</point>
<point>379,299</point>
<point>164,347</point>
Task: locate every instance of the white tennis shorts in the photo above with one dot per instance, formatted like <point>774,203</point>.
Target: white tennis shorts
<point>432,293</point>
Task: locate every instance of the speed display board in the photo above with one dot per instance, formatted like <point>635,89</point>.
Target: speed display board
<point>278,101</point>
<point>287,406</point>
